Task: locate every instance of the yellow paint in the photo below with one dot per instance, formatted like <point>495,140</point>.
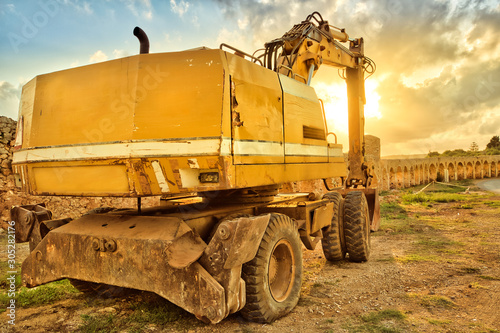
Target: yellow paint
<point>259,175</point>
<point>302,108</point>
<point>73,180</point>
<point>97,129</point>
<point>26,110</point>
<point>163,110</point>
<point>257,100</point>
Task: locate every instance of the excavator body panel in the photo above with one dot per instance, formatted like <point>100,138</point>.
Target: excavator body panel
<point>169,123</point>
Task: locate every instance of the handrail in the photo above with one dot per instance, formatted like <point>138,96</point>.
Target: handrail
<point>241,52</point>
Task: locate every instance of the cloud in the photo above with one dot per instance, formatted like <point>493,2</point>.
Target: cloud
<point>140,8</point>
<point>120,54</point>
<point>98,56</point>
<point>438,62</point>
<point>80,6</point>
<point>243,23</point>
<point>9,99</point>
<point>179,7</point>
<point>7,8</point>
<point>231,37</point>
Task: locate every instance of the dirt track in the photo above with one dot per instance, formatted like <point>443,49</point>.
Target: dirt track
<point>434,268</point>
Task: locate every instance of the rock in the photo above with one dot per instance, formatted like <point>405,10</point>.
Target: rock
<point>107,310</point>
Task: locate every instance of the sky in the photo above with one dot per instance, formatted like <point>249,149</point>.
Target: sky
<point>437,84</point>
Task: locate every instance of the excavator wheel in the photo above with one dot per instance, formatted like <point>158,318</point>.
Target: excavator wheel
<point>332,241</point>
<point>274,277</point>
<point>357,226</point>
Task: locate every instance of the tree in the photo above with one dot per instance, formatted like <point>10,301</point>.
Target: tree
<point>494,142</point>
<point>433,154</point>
<point>474,147</point>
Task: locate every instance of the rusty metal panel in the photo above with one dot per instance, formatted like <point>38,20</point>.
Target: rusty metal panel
<point>28,219</point>
<point>234,243</point>
<point>322,217</point>
<point>311,216</point>
<point>157,254</point>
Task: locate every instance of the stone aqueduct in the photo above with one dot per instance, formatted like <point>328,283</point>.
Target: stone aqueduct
<point>403,173</point>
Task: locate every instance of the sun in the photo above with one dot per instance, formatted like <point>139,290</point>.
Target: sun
<point>334,97</point>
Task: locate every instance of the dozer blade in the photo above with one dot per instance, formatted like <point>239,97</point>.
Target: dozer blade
<point>155,254</point>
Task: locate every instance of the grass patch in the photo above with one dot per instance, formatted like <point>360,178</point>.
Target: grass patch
<point>4,269</point>
<point>417,258</point>
<point>377,317</point>
<point>465,206</point>
<point>409,226</point>
<point>493,204</point>
<point>437,243</point>
<point>487,277</point>
<point>441,245</point>
<point>470,270</point>
<point>476,285</point>
<point>137,317</point>
<point>332,283</point>
<point>429,198</point>
<point>392,210</point>
<point>385,321</point>
<point>443,188</point>
<point>92,324</point>
<point>464,182</point>
<point>436,301</point>
<point>159,312</point>
<point>45,294</point>
<point>398,226</point>
<point>438,322</point>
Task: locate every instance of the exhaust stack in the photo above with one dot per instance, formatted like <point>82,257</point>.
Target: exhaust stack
<point>143,39</point>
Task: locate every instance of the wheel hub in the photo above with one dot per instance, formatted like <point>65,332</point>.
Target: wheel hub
<point>281,270</point>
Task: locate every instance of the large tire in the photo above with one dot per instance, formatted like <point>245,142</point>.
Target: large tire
<point>332,235</point>
<point>274,277</point>
<point>357,226</point>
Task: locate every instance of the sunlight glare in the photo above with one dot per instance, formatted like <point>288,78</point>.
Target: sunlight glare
<point>334,97</point>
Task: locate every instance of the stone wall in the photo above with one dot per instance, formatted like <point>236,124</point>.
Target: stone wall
<point>7,139</point>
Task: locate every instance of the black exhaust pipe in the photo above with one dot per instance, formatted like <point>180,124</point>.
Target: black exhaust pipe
<point>143,39</point>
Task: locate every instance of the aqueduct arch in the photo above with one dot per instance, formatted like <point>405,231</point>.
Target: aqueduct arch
<point>451,171</point>
<point>461,171</point>
<point>478,171</point>
<point>402,173</point>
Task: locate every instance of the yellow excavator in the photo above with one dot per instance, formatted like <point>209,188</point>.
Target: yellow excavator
<point>215,133</point>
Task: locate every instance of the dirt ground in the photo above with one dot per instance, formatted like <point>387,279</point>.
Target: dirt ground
<point>434,267</point>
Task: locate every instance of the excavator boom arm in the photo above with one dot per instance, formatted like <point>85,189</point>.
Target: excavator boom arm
<point>300,53</point>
